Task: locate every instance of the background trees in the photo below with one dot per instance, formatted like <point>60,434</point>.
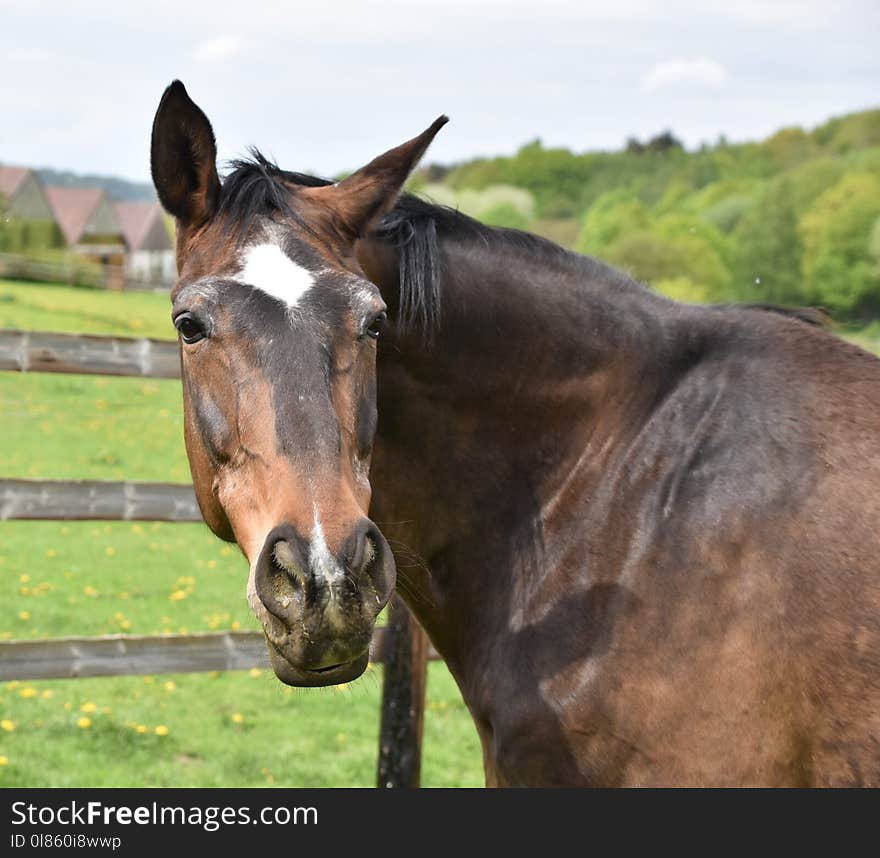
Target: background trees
<point>794,219</point>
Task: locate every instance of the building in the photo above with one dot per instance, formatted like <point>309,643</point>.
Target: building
<point>91,228</point>
<point>149,248</point>
<point>31,221</point>
<point>119,242</point>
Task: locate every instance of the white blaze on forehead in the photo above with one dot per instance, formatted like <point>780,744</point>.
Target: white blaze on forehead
<point>268,268</point>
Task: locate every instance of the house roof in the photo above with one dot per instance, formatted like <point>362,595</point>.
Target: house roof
<point>137,221</point>
<point>11,179</point>
<point>72,208</point>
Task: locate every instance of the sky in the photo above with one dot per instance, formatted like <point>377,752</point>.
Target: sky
<point>323,87</point>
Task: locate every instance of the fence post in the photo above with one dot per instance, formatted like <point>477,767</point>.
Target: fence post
<point>403,699</point>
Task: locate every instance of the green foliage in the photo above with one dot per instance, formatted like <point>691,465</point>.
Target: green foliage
<point>24,236</point>
<point>768,249</point>
<point>848,133</point>
<point>742,221</point>
<point>727,213</point>
<point>684,289</point>
<point>666,253</point>
<point>839,264</point>
<point>613,215</point>
<point>505,214</point>
<point>41,265</point>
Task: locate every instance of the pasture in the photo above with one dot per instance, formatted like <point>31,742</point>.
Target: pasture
<point>94,578</point>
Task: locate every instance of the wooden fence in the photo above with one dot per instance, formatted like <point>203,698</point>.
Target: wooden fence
<point>401,646</point>
<point>76,270</point>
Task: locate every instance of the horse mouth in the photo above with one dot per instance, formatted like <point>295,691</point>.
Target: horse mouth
<point>302,677</point>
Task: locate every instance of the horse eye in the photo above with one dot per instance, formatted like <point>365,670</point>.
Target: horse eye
<point>189,328</point>
<point>375,327</point>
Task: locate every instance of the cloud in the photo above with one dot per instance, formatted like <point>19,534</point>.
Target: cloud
<point>700,71</point>
<point>218,49</point>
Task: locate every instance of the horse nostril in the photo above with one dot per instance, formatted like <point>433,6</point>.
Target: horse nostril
<point>366,548</point>
<point>285,559</point>
<point>282,572</point>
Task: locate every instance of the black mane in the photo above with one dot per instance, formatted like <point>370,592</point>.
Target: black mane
<point>255,186</point>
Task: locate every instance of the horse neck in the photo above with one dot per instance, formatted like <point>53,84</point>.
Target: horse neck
<point>533,353</point>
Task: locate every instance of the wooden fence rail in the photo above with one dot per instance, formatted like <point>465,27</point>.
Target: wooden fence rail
<point>96,500</point>
<point>26,351</point>
<point>133,655</point>
<point>402,646</point>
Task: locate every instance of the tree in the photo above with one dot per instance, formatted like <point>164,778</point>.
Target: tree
<point>611,216</point>
<point>672,250</point>
<point>839,265</point>
<point>768,249</point>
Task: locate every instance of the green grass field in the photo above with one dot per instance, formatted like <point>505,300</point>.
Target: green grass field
<point>86,578</point>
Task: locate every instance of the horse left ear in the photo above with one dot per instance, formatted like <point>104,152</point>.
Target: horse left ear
<point>359,201</point>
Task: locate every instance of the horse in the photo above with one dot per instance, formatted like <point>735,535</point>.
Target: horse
<point>643,535</point>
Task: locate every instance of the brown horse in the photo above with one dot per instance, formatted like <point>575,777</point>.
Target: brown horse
<point>644,536</point>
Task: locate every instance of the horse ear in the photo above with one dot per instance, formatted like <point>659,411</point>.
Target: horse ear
<point>359,201</point>
<point>183,158</point>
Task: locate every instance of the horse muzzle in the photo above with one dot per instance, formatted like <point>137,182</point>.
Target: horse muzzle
<point>322,607</point>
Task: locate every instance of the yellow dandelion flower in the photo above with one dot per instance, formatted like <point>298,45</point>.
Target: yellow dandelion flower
<point>212,564</point>
<point>235,625</point>
<point>84,723</point>
<point>161,730</point>
<point>148,679</point>
<point>110,551</point>
<point>64,531</point>
<point>225,551</point>
<point>88,707</point>
<point>136,528</point>
<point>28,692</point>
<point>125,624</point>
<point>177,595</point>
<point>124,595</point>
<point>51,552</point>
<point>24,615</point>
<point>238,718</point>
<point>90,591</point>
<point>255,672</point>
<point>141,728</point>
<point>68,706</point>
<point>47,694</point>
<point>340,737</point>
<point>24,591</point>
<point>170,686</point>
<point>4,761</point>
<point>7,725</point>
<point>23,579</point>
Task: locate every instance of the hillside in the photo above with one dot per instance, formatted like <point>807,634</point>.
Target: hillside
<point>793,219</point>
<point>118,189</point>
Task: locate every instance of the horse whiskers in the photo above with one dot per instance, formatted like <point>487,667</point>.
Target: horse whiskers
<point>418,562</point>
<point>413,594</point>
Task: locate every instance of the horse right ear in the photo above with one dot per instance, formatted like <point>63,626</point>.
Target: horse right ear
<point>183,158</point>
